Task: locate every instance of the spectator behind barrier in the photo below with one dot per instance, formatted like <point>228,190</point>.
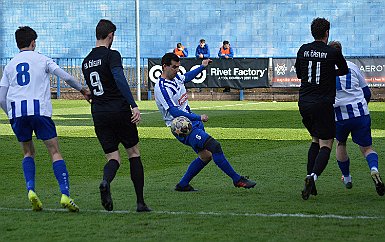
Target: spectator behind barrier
<point>180,50</point>
<point>202,51</point>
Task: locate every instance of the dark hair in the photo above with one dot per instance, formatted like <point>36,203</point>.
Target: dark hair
<point>179,45</point>
<point>104,28</point>
<point>226,42</point>
<point>168,57</point>
<point>336,44</point>
<point>319,26</point>
<point>24,36</point>
<point>202,41</point>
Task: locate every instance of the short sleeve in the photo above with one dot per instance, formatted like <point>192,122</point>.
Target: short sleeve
<point>51,66</point>
<point>4,80</point>
<point>360,77</point>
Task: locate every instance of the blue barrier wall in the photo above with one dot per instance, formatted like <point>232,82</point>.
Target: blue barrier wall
<point>272,28</point>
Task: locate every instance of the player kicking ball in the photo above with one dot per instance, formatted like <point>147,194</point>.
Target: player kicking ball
<point>172,101</point>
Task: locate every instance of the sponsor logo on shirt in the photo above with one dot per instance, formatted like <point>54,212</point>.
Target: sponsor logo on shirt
<point>183,99</point>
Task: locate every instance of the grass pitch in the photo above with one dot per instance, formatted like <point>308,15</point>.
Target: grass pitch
<point>265,141</point>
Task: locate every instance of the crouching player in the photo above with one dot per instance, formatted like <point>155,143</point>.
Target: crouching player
<point>172,101</point>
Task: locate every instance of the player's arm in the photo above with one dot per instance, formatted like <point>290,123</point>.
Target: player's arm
<point>3,98</point>
<point>297,65</point>
<point>124,88</point>
<point>176,112</point>
<point>164,96</point>
<point>343,68</point>
<point>72,82</point>
<point>4,86</point>
<point>363,84</point>
<point>193,73</point>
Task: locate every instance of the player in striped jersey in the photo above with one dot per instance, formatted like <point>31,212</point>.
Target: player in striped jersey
<point>26,98</point>
<point>172,101</point>
<point>352,117</point>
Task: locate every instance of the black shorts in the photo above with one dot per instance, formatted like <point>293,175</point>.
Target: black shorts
<point>113,129</point>
<point>318,119</point>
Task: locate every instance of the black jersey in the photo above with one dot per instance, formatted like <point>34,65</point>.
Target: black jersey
<point>105,94</point>
<point>316,67</point>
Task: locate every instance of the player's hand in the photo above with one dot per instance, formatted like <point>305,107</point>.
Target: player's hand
<point>135,118</point>
<point>201,56</point>
<point>204,118</point>
<point>206,62</point>
<point>87,94</point>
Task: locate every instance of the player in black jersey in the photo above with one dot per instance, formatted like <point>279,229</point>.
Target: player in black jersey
<point>316,67</point>
<point>114,112</point>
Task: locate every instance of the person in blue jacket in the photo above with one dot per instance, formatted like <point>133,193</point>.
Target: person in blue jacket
<point>202,50</point>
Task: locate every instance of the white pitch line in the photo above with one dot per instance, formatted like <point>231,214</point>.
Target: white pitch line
<point>274,215</point>
<point>228,105</point>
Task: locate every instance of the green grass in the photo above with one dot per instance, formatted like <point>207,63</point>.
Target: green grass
<point>265,141</point>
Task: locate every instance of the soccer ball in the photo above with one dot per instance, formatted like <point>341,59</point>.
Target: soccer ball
<point>181,126</point>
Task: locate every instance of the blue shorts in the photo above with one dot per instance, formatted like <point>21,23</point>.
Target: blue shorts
<point>197,138</point>
<point>43,127</point>
<point>359,127</point>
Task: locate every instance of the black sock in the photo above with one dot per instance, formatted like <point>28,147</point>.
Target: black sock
<point>311,156</point>
<point>137,177</point>
<point>322,160</point>
<point>110,170</point>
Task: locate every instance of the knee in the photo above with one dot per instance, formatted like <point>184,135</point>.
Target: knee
<point>213,146</point>
<point>205,156</point>
<point>133,152</point>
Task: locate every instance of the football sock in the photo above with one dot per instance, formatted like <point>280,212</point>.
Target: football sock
<point>110,169</point>
<point>372,160</point>
<point>194,168</point>
<point>311,156</point>
<point>137,177</point>
<point>61,174</point>
<point>322,160</point>
<point>221,161</point>
<point>29,173</point>
<point>344,167</point>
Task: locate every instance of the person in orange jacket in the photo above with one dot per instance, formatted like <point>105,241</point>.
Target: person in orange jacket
<point>180,50</point>
<point>226,51</point>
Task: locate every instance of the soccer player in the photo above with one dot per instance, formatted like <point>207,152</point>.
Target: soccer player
<point>114,112</point>
<point>26,98</point>
<point>352,117</point>
<point>172,101</point>
<point>315,66</point>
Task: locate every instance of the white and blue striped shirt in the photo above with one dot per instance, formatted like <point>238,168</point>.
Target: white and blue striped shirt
<point>171,93</point>
<point>27,77</point>
<point>350,101</point>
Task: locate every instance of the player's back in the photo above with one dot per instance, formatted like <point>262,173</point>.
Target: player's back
<point>315,66</point>
<point>28,75</point>
<point>350,101</point>
<point>97,70</point>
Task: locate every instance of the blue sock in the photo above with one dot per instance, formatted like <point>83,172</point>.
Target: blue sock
<point>194,168</point>
<point>61,174</point>
<point>221,161</point>
<point>344,167</point>
<point>372,159</point>
<point>29,173</point>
